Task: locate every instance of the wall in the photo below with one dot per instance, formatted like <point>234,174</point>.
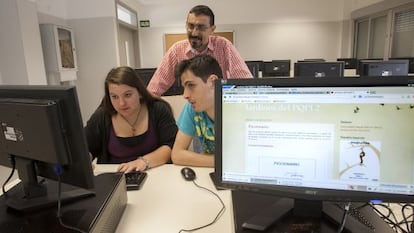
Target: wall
<point>267,29</point>
<point>281,30</point>
<point>21,57</point>
<point>95,33</point>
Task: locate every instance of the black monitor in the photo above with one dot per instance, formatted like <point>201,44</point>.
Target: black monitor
<point>42,135</point>
<point>255,67</point>
<point>360,64</point>
<point>319,69</point>
<point>410,62</point>
<point>145,74</point>
<point>312,60</point>
<point>315,143</point>
<point>350,63</point>
<point>276,68</point>
<point>383,68</point>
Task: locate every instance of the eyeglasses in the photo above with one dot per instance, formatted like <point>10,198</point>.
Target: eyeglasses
<point>199,27</point>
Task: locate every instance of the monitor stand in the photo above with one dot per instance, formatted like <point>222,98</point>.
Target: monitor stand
<point>34,192</point>
<point>255,212</point>
<point>17,199</point>
<point>98,213</point>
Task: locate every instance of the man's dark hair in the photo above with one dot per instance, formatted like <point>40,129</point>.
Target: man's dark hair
<point>202,66</point>
<point>203,10</point>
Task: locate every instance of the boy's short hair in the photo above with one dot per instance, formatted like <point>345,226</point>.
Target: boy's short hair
<point>202,66</point>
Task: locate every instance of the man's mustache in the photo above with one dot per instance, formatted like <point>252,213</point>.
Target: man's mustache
<point>195,37</point>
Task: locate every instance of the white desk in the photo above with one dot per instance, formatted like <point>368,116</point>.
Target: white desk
<point>168,203</point>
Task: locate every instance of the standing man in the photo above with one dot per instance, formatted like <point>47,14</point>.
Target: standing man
<point>200,28</point>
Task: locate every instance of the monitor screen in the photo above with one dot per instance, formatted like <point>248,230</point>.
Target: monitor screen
<point>319,69</point>
<point>43,137</point>
<point>255,67</point>
<point>276,68</point>
<point>383,68</point>
<point>316,140</point>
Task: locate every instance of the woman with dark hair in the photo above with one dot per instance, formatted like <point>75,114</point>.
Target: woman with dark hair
<point>130,127</point>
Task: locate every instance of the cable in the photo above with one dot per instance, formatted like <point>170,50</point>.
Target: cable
<point>346,210</point>
<point>58,171</point>
<point>13,163</point>
<point>223,208</point>
<point>390,218</point>
<point>405,217</point>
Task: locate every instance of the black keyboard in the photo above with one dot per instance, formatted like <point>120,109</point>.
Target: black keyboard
<point>135,180</point>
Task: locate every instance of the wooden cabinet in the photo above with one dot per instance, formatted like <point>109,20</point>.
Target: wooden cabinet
<point>59,53</point>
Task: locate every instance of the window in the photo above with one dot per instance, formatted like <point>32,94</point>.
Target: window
<point>371,36</point>
<point>403,34</point>
<point>385,34</point>
<point>127,16</point>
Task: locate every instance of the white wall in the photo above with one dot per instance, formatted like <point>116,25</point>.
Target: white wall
<point>95,32</point>
<point>263,30</point>
<point>21,57</point>
<point>266,29</point>
<point>261,41</point>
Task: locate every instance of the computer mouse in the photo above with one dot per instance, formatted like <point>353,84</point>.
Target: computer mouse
<point>188,173</point>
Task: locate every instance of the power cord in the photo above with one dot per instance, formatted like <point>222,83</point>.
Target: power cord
<point>223,208</point>
<point>346,210</point>
<point>406,217</point>
<point>401,226</point>
<point>58,171</point>
<point>13,163</point>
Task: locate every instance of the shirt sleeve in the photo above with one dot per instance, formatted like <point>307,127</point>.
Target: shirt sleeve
<point>185,121</point>
<point>237,65</point>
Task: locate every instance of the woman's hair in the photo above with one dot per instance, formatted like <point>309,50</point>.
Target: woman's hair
<point>202,66</point>
<point>128,76</point>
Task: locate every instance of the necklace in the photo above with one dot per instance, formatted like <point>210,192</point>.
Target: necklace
<point>133,129</point>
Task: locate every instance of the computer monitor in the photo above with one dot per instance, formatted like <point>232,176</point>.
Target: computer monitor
<point>276,68</point>
<point>319,69</point>
<point>360,64</point>
<point>255,67</point>
<point>42,135</point>
<point>316,141</point>
<point>383,68</point>
<point>410,62</point>
<point>312,60</point>
<point>350,63</point>
<point>145,74</point>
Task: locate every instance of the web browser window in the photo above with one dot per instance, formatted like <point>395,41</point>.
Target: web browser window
<point>350,138</point>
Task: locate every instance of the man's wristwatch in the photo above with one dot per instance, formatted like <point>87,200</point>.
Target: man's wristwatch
<point>147,164</point>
